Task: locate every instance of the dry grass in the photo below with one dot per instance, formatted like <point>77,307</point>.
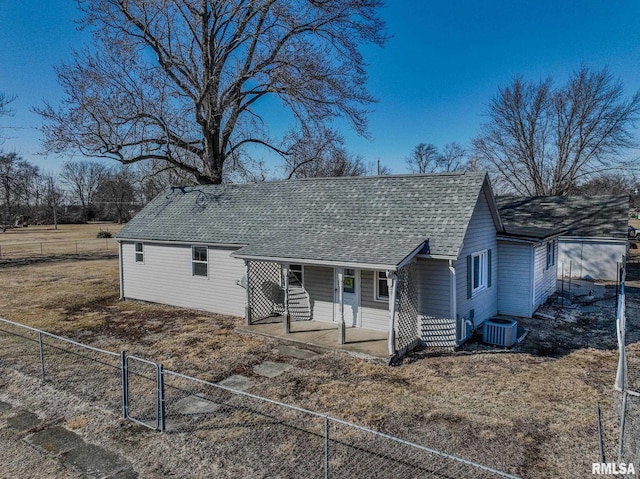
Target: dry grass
<point>38,233</point>
<point>530,411</point>
<point>46,241</point>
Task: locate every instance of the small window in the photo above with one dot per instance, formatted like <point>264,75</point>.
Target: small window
<point>139,253</point>
<point>478,271</point>
<point>349,281</point>
<point>199,261</point>
<point>551,253</point>
<point>382,287</point>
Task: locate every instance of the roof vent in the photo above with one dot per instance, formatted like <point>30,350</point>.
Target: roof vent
<point>500,332</point>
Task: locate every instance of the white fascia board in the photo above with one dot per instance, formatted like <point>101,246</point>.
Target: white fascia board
<point>188,243</point>
<point>306,261</point>
<point>592,239</point>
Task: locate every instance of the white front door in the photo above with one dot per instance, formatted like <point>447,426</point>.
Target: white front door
<point>351,297</point>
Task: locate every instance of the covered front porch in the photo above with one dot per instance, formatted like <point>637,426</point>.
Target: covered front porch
<point>352,307</point>
<point>324,335</point>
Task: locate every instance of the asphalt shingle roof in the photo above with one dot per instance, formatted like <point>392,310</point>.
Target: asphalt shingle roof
<point>585,216</point>
<point>373,220</point>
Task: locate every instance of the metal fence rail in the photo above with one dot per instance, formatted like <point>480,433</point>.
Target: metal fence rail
<point>270,438</point>
<point>55,248</point>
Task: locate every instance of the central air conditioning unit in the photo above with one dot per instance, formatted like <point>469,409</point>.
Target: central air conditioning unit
<point>500,332</point>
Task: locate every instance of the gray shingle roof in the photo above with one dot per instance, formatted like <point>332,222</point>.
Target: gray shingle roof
<point>373,220</point>
<point>586,216</point>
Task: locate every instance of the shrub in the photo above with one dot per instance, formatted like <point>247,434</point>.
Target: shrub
<point>104,234</point>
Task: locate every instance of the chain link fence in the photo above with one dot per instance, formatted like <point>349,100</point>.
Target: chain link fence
<point>57,248</point>
<point>268,438</point>
<point>627,382</point>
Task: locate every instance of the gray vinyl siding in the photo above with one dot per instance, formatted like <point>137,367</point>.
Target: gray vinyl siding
<point>545,278</point>
<point>480,235</point>
<point>590,258</point>
<point>374,314</point>
<point>166,277</point>
<point>318,281</point>
<point>434,288</point>
<point>514,279</point>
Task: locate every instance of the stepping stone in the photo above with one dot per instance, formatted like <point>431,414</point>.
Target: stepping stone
<point>55,440</point>
<point>23,421</point>
<point>194,405</point>
<point>4,406</point>
<point>297,353</point>
<point>269,369</point>
<point>94,461</point>
<point>237,382</point>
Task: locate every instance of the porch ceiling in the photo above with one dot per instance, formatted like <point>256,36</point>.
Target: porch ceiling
<point>359,250</point>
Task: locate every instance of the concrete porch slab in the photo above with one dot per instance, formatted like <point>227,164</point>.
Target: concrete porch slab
<point>324,335</point>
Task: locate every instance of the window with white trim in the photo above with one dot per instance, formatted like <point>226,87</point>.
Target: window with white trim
<point>139,252</point>
<point>199,263</point>
<point>551,253</point>
<point>479,264</point>
<point>381,286</point>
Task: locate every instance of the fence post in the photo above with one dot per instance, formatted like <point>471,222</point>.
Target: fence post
<point>161,417</point>
<point>602,458</point>
<point>623,417</point>
<point>41,345</point>
<point>326,447</point>
<point>76,246</point>
<point>125,384</point>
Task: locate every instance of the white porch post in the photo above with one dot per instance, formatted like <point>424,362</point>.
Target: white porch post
<point>453,307</point>
<point>247,309</point>
<point>341,325</point>
<point>287,318</point>
<point>392,283</point>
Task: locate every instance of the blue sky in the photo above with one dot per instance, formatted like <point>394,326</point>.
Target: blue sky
<point>434,78</point>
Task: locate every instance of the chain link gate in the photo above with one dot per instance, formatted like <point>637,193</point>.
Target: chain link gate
<point>143,392</point>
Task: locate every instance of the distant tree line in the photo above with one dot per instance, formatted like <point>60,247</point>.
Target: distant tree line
<point>82,191</point>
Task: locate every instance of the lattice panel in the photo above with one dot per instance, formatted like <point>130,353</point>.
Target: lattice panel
<point>407,310</point>
<point>266,296</point>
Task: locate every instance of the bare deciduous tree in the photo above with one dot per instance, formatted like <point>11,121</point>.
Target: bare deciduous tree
<point>116,194</point>
<point>423,158</point>
<point>321,155</point>
<point>426,158</point>
<point>4,109</point>
<point>83,178</point>
<point>183,82</point>
<point>541,140</point>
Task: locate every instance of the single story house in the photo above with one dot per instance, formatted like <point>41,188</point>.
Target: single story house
<point>414,255</point>
<point>594,240</point>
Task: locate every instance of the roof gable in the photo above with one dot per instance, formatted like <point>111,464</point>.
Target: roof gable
<point>584,216</point>
<point>362,219</point>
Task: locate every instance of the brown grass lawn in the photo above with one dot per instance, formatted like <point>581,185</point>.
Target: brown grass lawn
<point>46,241</point>
<point>529,411</point>
<point>37,233</point>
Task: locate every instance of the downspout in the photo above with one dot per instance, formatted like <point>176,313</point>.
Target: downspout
<point>392,283</point>
<point>341,325</point>
<point>287,318</point>
<point>453,306</point>
<point>121,272</point>
<point>247,309</point>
